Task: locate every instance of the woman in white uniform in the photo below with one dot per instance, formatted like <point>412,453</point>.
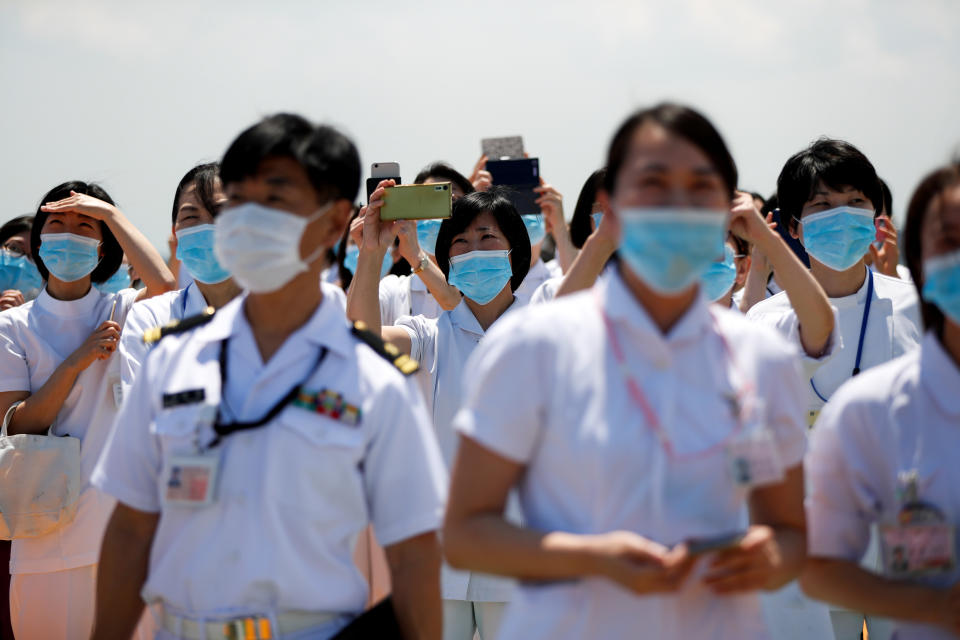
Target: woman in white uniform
<point>721,280</point>
<point>484,250</point>
<point>196,203</point>
<point>19,279</point>
<point>884,452</point>
<point>639,423</point>
<point>829,195</point>
<point>57,372</point>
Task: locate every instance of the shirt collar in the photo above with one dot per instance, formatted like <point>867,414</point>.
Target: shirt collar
<point>327,327</point>
<point>623,308</point>
<point>538,270</point>
<point>68,308</point>
<point>462,317</point>
<point>939,374</point>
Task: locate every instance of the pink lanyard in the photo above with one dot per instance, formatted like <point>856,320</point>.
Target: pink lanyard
<point>650,416</point>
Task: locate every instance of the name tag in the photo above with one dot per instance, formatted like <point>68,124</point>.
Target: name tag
<point>190,396</point>
<point>191,480</point>
<point>917,549</point>
<point>753,461</point>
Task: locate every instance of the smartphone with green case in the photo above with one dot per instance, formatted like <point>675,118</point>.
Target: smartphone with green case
<point>417,201</point>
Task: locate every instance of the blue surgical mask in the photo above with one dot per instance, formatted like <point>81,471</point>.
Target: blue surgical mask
<point>839,237</point>
<point>535,228</point>
<point>597,217</point>
<point>17,272</point>
<point>670,248</point>
<point>195,251</point>
<point>480,275</point>
<point>720,276</point>
<point>427,231</point>
<point>353,253</point>
<point>941,284</point>
<point>119,281</point>
<point>69,257</point>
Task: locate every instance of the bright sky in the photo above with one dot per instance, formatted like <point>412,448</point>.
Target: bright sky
<point>134,94</point>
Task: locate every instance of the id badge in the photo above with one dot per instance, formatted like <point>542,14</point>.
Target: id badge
<point>753,461</point>
<point>191,480</point>
<point>922,549</point>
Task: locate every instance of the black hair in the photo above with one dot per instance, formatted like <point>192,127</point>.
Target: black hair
<point>887,197</point>
<point>929,188</point>
<point>110,248</point>
<point>205,177</point>
<point>446,172</point>
<point>466,210</point>
<point>742,246</point>
<point>835,163</point>
<point>15,226</point>
<point>580,226</point>
<point>756,196</point>
<point>679,120</point>
<point>330,159</point>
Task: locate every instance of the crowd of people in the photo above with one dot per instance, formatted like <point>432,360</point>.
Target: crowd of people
<point>687,411</point>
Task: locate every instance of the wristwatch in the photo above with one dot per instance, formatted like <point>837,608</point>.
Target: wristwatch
<point>422,264</point>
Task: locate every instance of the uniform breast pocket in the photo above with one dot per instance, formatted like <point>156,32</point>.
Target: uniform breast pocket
<point>177,429</point>
<point>314,463</point>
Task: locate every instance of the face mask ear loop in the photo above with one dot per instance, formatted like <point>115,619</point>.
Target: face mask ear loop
<point>319,251</point>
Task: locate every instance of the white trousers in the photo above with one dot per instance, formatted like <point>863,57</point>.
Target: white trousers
<point>462,617</point>
<point>59,605</point>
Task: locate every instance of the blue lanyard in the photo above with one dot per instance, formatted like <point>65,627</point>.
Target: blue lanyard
<point>863,333</point>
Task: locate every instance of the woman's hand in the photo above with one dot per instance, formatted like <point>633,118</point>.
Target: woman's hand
<point>749,566</point>
<point>747,222</point>
<point>409,243</point>
<point>10,298</point>
<point>481,178</point>
<point>885,258</point>
<point>550,202</point>
<point>641,565</point>
<point>82,203</point>
<point>100,345</point>
<point>377,234</point>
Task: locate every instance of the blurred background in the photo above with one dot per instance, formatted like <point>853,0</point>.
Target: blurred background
<point>134,94</point>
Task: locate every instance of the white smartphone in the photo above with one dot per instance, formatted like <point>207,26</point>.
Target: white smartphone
<point>384,170</point>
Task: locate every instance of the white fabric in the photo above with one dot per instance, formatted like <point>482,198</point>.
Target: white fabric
<point>893,329</point>
<point>536,276</point>
<point>465,620</point>
<point>902,271</point>
<point>147,314</point>
<point>553,266</point>
<point>35,338</point>
<point>867,434</point>
<point>44,494</point>
<point>546,391</point>
<point>406,296</point>
<point>546,291</point>
<point>442,347</point>
<point>293,495</point>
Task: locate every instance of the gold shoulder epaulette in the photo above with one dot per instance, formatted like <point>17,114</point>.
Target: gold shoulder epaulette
<point>152,336</point>
<point>404,363</point>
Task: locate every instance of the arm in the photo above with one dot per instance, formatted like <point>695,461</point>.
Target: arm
<point>589,263</point>
<point>814,315</point>
<point>886,258</point>
<point>10,298</point>
<point>414,574</point>
<point>476,535</point>
<point>773,551</point>
<point>447,295</point>
<point>844,583</point>
<point>124,560</point>
<point>39,410</point>
<point>376,237</point>
<point>551,204</point>
<point>755,287</point>
<point>141,254</point>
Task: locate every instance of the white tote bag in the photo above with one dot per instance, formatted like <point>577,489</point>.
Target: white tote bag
<point>39,482</point>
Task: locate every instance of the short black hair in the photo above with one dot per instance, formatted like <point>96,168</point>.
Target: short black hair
<point>466,210</point>
<point>835,163</point>
<point>446,172</point>
<point>887,196</point>
<point>580,227</point>
<point>929,188</point>
<point>330,159</point>
<point>15,226</point>
<point>205,176</point>
<point>679,120</point>
<point>112,252</point>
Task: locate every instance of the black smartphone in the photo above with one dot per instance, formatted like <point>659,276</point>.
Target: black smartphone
<point>697,546</point>
<point>519,177</point>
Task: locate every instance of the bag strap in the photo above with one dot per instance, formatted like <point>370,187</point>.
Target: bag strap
<point>8,416</point>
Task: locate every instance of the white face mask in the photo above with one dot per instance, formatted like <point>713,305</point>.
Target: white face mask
<point>260,246</point>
